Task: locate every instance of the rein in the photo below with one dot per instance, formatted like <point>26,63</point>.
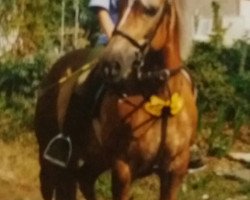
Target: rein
<point>69,75</point>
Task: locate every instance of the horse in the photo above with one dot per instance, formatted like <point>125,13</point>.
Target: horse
<point>143,118</point>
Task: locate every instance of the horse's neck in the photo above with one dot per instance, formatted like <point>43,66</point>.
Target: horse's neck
<point>172,58</point>
<point>172,47</point>
<point>171,50</point>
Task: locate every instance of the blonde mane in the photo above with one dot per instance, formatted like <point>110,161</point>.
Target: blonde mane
<point>185,20</point>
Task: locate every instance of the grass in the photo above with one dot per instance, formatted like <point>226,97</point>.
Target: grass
<point>19,178</point>
<point>210,185</point>
<point>245,189</point>
<point>196,187</point>
<point>19,169</point>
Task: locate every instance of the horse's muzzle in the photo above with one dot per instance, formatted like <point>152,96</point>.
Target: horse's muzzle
<point>119,62</point>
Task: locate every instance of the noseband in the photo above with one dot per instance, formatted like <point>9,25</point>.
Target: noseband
<point>141,47</point>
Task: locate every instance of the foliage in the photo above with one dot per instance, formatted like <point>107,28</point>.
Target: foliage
<point>222,76</point>
<point>39,22</point>
<point>16,117</point>
<point>218,33</point>
<point>21,76</point>
<point>223,90</point>
<point>103,186</point>
<point>18,84</point>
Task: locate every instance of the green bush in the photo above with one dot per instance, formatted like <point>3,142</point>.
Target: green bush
<point>19,81</point>
<point>223,90</point>
<point>20,76</point>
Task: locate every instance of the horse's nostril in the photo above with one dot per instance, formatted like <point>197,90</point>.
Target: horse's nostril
<point>105,66</point>
<point>106,70</point>
<point>115,68</point>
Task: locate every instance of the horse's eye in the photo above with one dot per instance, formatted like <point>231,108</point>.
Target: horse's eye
<point>150,11</point>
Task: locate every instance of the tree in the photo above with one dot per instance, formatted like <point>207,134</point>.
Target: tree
<point>62,25</point>
<point>76,32</point>
<point>39,23</point>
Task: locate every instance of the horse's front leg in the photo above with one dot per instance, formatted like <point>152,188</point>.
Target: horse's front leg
<point>87,177</point>
<point>121,180</point>
<point>171,176</point>
<point>57,183</point>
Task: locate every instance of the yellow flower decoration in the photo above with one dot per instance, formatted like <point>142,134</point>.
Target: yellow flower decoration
<point>156,105</point>
<point>176,104</point>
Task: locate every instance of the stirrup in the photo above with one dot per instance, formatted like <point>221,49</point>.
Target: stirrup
<point>59,150</point>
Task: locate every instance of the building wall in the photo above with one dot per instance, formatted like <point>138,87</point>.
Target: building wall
<point>245,13</point>
<point>235,19</point>
<point>204,8</point>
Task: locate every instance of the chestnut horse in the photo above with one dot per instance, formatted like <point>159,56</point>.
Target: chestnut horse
<point>143,119</point>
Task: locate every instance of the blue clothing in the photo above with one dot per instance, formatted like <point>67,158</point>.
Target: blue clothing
<point>112,7</point>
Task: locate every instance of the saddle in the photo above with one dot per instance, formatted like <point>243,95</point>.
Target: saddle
<point>90,91</point>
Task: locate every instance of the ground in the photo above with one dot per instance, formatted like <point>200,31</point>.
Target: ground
<point>19,176</point>
<point>19,169</point>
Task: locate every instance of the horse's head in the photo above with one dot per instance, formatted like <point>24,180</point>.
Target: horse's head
<point>144,25</point>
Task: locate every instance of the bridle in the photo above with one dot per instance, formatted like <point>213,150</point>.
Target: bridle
<point>144,48</point>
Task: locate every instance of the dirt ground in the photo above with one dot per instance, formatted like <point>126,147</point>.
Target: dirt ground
<point>19,171</point>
